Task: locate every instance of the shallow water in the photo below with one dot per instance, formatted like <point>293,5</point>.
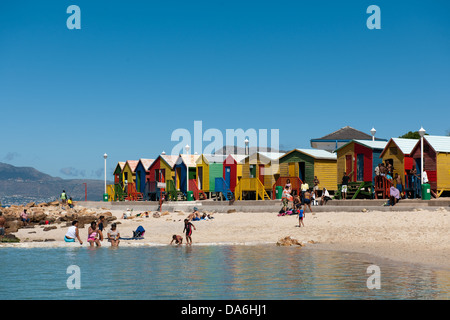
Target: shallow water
<point>262,272</point>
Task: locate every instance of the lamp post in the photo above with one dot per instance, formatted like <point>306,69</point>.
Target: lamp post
<point>105,156</point>
<point>187,171</point>
<point>373,131</point>
<point>421,133</point>
<point>246,146</point>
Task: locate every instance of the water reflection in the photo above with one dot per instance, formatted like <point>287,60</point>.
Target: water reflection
<point>212,272</point>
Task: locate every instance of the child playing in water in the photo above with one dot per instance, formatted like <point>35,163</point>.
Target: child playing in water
<point>177,238</point>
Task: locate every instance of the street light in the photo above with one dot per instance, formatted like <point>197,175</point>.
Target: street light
<point>421,133</point>
<point>246,145</point>
<point>373,131</point>
<point>105,156</point>
<point>187,170</point>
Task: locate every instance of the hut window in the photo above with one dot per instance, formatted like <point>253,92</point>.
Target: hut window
<point>393,150</point>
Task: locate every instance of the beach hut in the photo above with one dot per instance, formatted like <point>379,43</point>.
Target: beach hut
<point>302,165</point>
<point>161,170</point>
<point>142,176</point>
<point>398,153</point>
<point>358,158</point>
<point>232,169</point>
<point>436,162</point>
<point>185,168</point>
<point>129,180</point>
<point>259,172</point>
<point>209,167</point>
<point>118,193</point>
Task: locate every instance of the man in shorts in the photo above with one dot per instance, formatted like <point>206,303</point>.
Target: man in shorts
<point>345,180</point>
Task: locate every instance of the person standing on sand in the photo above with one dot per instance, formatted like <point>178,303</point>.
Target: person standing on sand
<point>188,229</point>
<point>307,200</point>
<point>345,180</point>
<point>301,215</point>
<point>2,224</point>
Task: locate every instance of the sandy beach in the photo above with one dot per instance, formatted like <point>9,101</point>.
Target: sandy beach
<point>421,236</point>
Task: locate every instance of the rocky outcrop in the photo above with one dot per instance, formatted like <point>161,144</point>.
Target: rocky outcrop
<point>48,214</point>
<point>288,241</point>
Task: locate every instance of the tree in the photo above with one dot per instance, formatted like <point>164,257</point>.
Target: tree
<point>412,135</point>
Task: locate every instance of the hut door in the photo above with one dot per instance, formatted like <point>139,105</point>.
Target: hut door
<point>348,163</point>
<point>291,169</point>
<point>227,175</point>
<point>200,177</point>
<point>261,173</point>
<point>301,171</point>
<point>360,167</point>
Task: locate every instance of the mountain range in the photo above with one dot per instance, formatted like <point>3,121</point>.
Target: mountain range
<point>21,185</point>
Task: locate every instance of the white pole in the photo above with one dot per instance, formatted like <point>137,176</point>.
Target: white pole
<point>421,160</point>
<point>105,156</point>
<point>187,170</point>
<point>421,133</point>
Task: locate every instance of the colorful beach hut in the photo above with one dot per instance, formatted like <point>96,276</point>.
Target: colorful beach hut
<point>117,192</point>
<point>232,169</point>
<point>129,180</point>
<point>436,162</point>
<point>398,153</point>
<point>142,175</point>
<point>259,172</point>
<point>302,165</point>
<point>358,158</point>
<point>209,167</point>
<point>161,170</point>
<point>185,168</point>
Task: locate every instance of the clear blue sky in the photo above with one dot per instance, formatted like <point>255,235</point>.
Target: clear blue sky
<point>138,70</point>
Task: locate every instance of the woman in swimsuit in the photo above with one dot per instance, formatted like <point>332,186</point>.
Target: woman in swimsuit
<point>113,236</point>
<point>93,234</point>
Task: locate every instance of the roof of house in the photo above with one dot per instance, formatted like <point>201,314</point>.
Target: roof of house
<point>368,143</point>
<point>146,163</point>
<point>405,145</point>
<point>318,154</point>
<point>132,164</point>
<point>188,159</point>
<point>212,158</point>
<point>169,159</point>
<point>438,143</point>
<point>346,133</point>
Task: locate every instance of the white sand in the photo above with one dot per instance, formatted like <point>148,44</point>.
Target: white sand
<point>416,237</point>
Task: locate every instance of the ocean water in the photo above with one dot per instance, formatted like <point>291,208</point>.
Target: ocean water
<point>219,272</point>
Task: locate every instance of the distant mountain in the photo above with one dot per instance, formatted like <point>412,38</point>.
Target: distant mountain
<point>21,185</point>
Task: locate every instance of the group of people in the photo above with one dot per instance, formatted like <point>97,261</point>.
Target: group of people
<point>65,199</point>
<point>95,233</point>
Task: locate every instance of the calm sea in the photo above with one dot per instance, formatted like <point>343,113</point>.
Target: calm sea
<point>263,272</point>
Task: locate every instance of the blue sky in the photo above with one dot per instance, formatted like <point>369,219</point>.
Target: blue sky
<point>138,70</point>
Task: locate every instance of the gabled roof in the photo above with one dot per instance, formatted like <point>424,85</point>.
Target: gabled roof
<point>346,133</point>
<point>120,166</point>
<point>211,158</point>
<point>239,158</point>
<point>169,159</point>
<point>188,160</point>
<point>405,145</point>
<point>315,153</point>
<point>367,143</point>
<point>438,143</point>
<point>132,164</point>
<point>267,157</point>
<point>146,163</point>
